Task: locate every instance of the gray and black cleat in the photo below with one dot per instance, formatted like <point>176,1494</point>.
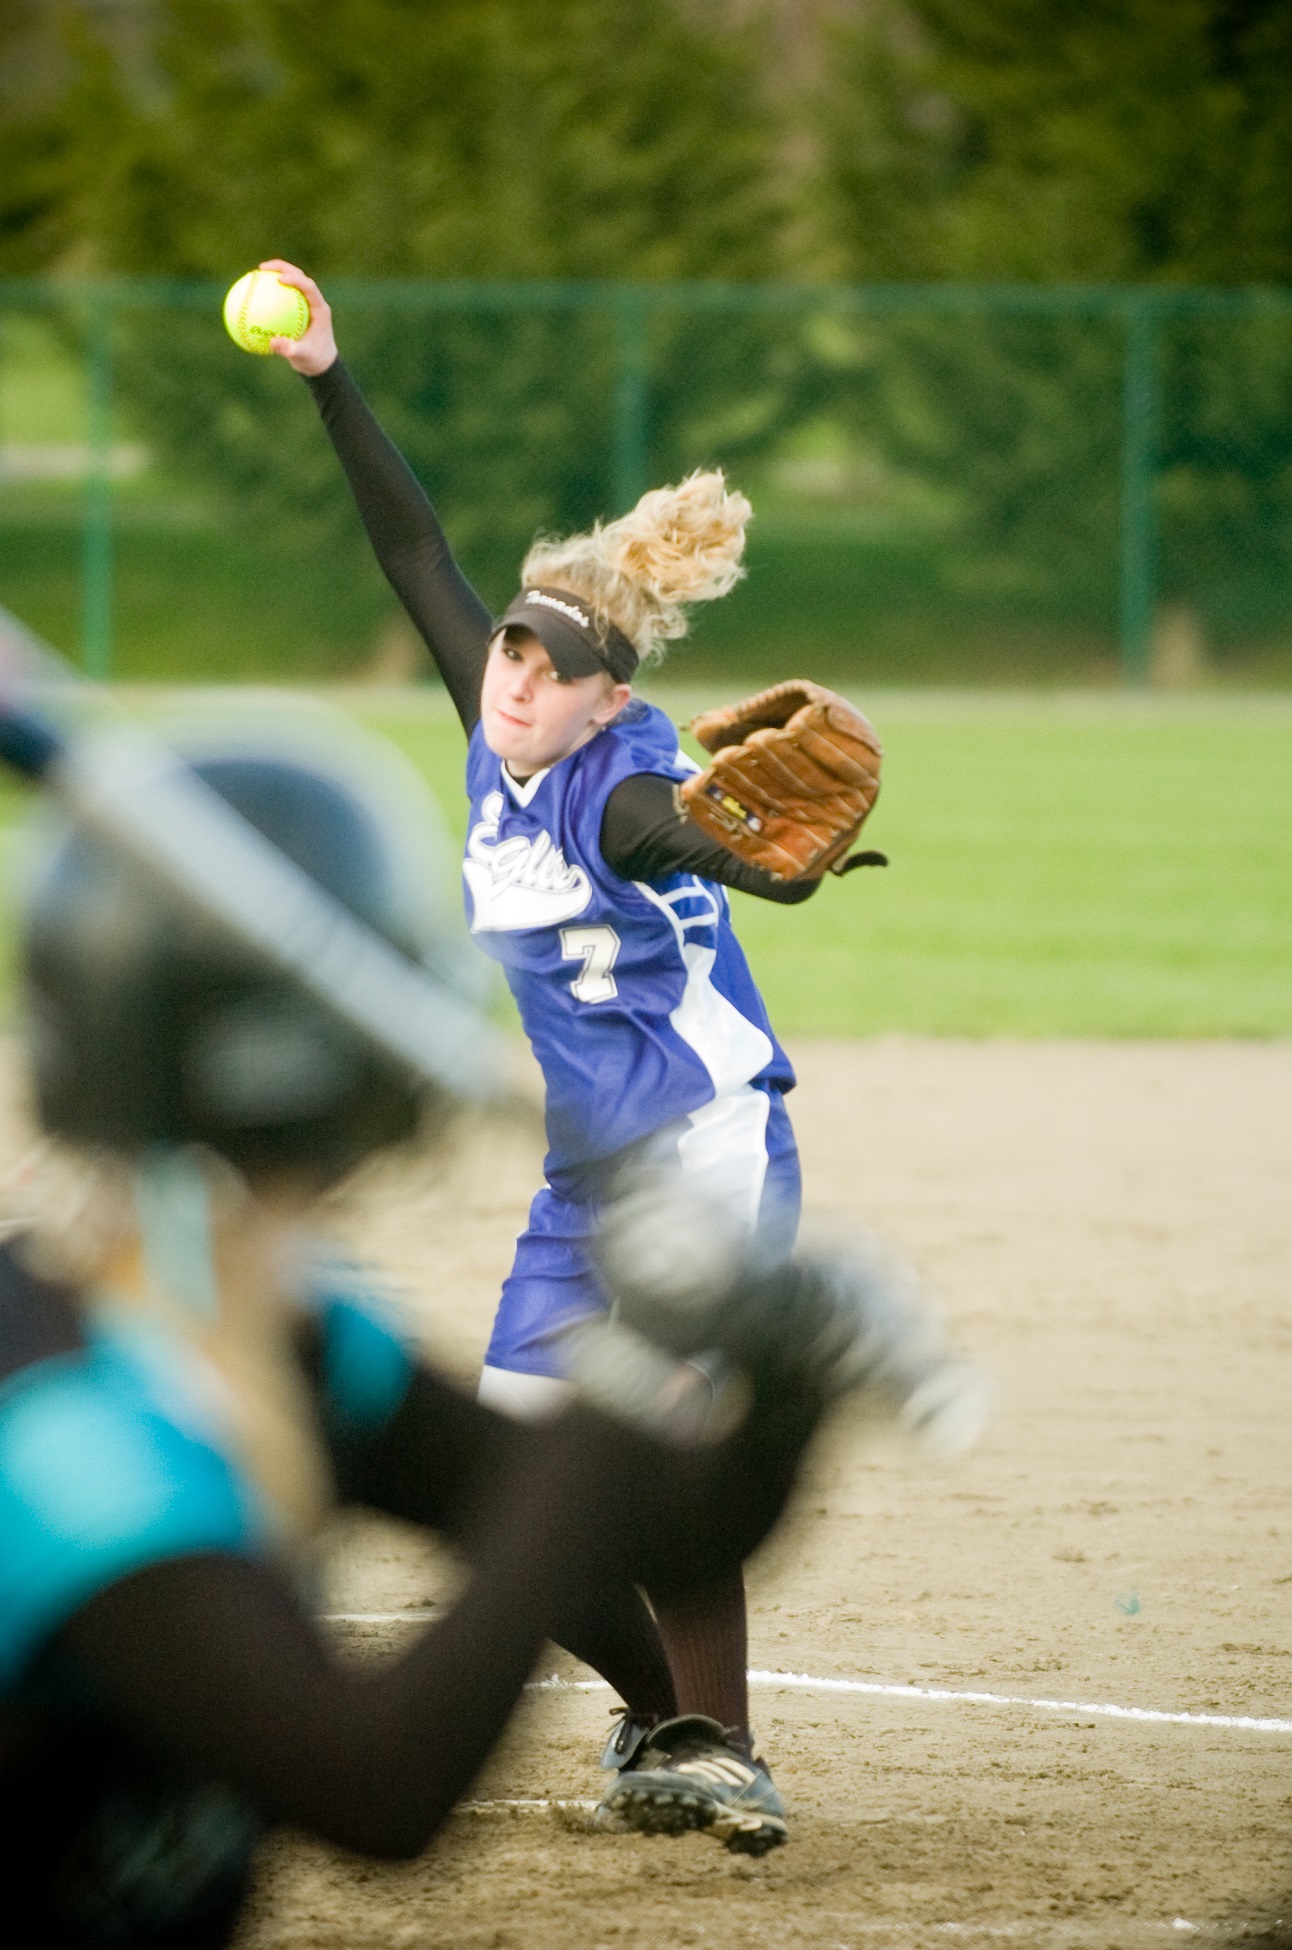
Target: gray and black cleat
<point>686,1774</point>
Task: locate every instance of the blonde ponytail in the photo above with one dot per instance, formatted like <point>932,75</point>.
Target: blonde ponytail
<point>679,545</point>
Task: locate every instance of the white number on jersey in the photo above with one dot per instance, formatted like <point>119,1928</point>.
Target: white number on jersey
<point>598,950</point>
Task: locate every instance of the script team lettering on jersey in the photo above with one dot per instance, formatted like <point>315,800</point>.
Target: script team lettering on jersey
<point>519,882</point>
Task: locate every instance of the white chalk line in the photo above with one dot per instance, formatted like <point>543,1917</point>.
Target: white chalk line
<point>538,1803</point>
<point>803,1682</point>
<point>377,1617</point>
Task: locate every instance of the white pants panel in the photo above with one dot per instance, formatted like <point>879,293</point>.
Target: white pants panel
<point>725,1151</point>
<point>523,1397</point>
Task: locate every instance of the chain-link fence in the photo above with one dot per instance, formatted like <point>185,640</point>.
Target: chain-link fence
<point>950,482</point>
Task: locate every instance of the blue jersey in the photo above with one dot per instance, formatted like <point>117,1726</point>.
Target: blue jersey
<point>636,996</point>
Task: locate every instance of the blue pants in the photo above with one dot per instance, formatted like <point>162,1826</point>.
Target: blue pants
<point>741,1146</point>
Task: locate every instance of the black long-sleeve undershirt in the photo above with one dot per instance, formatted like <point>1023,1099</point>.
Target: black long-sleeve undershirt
<point>452,619</point>
<point>643,835</point>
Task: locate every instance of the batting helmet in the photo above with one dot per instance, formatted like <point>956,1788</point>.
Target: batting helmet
<point>149,1024</point>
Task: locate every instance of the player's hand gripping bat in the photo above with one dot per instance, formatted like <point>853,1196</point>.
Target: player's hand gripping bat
<point>701,1310</point>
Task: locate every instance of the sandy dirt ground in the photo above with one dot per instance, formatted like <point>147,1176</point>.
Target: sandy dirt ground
<point>1111,1227</point>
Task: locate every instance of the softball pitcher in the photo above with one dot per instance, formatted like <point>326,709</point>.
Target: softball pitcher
<point>603,896</point>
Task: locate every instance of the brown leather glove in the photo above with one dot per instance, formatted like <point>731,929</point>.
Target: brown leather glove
<point>795,772</point>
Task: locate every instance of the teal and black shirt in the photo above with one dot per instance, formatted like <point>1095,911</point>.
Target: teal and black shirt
<point>163,1693</point>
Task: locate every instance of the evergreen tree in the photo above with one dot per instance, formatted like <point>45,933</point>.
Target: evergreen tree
<point>395,138</point>
<point>1117,139</point>
<point>1139,141</point>
<point>486,139</point>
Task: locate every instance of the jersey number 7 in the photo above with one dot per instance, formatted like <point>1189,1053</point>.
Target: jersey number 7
<point>598,949</point>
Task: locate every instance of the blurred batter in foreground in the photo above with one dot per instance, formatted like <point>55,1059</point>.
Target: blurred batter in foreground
<point>189,1387</point>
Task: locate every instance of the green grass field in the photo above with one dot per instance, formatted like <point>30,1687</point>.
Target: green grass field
<point>1080,866</point>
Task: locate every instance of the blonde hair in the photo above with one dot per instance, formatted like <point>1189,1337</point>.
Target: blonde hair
<point>83,1225</point>
<point>678,546</point>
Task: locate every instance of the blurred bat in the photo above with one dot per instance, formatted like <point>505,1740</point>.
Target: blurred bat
<point>126,785</point>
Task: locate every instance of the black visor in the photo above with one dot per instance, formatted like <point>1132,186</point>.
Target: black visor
<point>578,645</point>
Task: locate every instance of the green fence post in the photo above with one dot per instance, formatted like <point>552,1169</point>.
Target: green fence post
<point>96,560</point>
<point>1138,525</point>
<point>630,457</point>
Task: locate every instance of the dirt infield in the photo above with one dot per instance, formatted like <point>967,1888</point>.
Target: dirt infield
<point>1111,1227</point>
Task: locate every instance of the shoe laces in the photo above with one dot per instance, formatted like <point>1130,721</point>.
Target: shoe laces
<point>621,1738</point>
<point>741,1742</point>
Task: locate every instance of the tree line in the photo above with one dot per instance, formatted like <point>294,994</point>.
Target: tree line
<point>835,140</point>
<point>1138,139</point>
